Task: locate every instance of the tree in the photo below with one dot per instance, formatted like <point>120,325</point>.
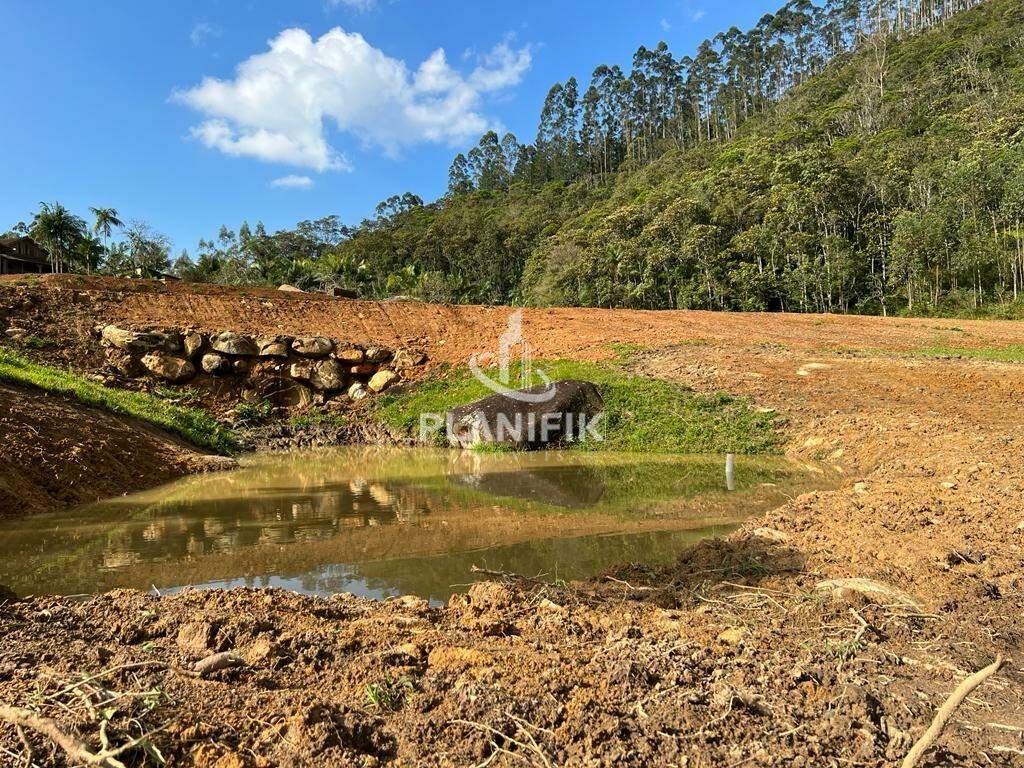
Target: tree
<point>105,221</point>
<point>143,253</point>
<point>459,180</point>
<point>59,232</point>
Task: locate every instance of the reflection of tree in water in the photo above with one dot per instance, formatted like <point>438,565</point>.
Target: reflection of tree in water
<point>255,520</point>
<point>228,524</point>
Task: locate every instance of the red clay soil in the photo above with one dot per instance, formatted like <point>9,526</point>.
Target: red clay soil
<point>453,333</point>
<point>745,652</point>
<point>59,453</point>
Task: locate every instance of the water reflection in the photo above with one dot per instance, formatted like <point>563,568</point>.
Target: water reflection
<point>390,521</point>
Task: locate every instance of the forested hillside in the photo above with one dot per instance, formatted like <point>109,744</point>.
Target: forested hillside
<point>891,180</point>
<point>864,155</point>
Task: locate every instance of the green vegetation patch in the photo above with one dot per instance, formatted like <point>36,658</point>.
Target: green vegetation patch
<point>1011,354</point>
<point>641,415</point>
<point>194,425</point>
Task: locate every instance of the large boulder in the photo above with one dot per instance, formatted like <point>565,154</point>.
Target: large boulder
<point>378,355</point>
<point>328,376</point>
<point>381,380</point>
<point>215,364</point>
<point>357,392</point>
<point>528,419</point>
<point>273,346</point>
<point>139,341</point>
<point>173,369</point>
<point>312,346</point>
<point>231,343</point>
<point>193,341</point>
<point>301,370</point>
<point>350,355</point>
<point>123,362</point>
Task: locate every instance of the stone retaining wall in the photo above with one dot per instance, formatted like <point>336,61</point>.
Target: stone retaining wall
<point>291,371</point>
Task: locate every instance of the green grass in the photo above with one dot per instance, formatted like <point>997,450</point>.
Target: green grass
<point>194,425</point>
<point>642,415</point>
<point>317,418</point>
<point>389,694</point>
<point>1011,354</point>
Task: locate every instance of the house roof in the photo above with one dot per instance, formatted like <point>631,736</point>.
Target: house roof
<point>9,247</point>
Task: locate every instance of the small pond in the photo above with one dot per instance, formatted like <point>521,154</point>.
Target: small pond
<point>384,521</point>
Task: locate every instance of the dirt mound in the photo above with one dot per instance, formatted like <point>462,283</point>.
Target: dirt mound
<point>59,453</point>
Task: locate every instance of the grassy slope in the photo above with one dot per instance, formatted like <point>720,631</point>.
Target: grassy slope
<point>642,415</point>
<point>197,427</point>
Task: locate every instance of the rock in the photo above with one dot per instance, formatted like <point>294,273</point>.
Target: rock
<point>303,397</point>
<point>312,346</point>
<point>273,346</point>
<point>196,638</point>
<point>378,355</point>
<point>528,419</point>
<point>173,369</point>
<point>289,288</point>
<point>124,363</point>
<point>16,334</point>
<point>328,375</point>
<point>381,380</point>
<point>363,369</point>
<point>215,364</point>
<point>193,341</point>
<point>302,370</point>
<point>357,392</point>
<point>231,343</point>
<point>240,366</point>
<point>407,358</point>
<point>350,355</point>
<point>139,341</point>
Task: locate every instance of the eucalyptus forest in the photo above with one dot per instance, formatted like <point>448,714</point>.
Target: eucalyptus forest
<point>856,156</point>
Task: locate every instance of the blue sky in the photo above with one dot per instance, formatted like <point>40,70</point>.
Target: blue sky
<point>144,106</point>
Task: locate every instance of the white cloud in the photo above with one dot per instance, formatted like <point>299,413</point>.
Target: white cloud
<point>698,14</point>
<point>665,25</point>
<point>292,181</point>
<point>280,103</point>
<point>203,31</point>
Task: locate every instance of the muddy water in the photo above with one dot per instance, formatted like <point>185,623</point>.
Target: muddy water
<point>381,522</point>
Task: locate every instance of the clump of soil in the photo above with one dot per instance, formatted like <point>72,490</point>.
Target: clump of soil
<point>59,453</point>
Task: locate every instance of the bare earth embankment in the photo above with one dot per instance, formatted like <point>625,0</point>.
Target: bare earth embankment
<point>741,654</point>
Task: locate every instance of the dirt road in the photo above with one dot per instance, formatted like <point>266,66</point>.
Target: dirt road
<point>742,653</point>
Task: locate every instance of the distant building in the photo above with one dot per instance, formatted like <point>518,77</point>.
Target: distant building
<point>21,255</point>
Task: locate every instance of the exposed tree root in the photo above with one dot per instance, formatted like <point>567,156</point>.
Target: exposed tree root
<point>946,711</point>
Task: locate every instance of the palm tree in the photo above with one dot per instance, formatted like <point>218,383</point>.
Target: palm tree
<point>106,222</point>
<point>58,231</point>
